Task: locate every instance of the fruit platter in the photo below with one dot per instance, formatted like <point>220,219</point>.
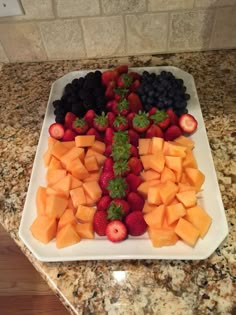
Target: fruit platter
<point>123,170</point>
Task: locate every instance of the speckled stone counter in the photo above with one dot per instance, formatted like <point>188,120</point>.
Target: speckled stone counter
<point>126,287</point>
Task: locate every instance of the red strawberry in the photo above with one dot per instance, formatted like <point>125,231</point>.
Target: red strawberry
<point>135,103</point>
<point>94,132</point>
<point>104,180</point>
<point>89,117</point>
<point>172,133</point>
<point>80,126</point>
<point>108,136</point>
<point>135,75</point>
<point>135,223</point>
<point>110,104</point>
<point>100,122</point>
<point>120,123</point>
<point>130,117</point>
<point>69,135</point>
<point>103,203</point>
<point>117,187</point>
<point>121,168</point>
<point>121,107</point>
<point>134,86</point>
<point>173,117</point>
<point>56,131</point>
<point>108,151</point>
<point>116,231</point>
<point>111,117</point>
<point>154,131</point>
<point>134,151</point>
<point>124,80</point>
<point>69,118</point>
<point>141,122</point>
<point>135,165</point>
<point>133,181</point>
<point>152,111</point>
<point>188,123</point>
<point>108,76</point>
<point>161,119</point>
<point>122,69</point>
<point>133,137</point>
<point>108,165</point>
<point>135,201</point>
<point>100,222</point>
<point>118,209</point>
<point>109,93</point>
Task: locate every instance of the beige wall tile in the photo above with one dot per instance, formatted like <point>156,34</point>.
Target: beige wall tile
<point>167,5</point>
<point>213,3</point>
<point>70,8</point>
<point>224,31</point>
<point>22,42</point>
<point>3,57</point>
<point>146,33</point>
<point>104,36</point>
<point>190,30</point>
<point>35,9</point>
<point>123,6</point>
<point>63,39</point>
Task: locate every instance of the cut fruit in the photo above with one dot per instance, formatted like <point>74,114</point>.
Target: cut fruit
<point>59,149</point>
<point>55,164</point>
<point>174,212</point>
<point>199,218</point>
<point>144,146</point>
<point>153,196</point>
<point>150,175</point>
<point>78,196</point>
<point>188,123</point>
<point>54,175</point>
<point>99,157</point>
<point>72,154</point>
<point>91,164</point>
<point>99,147</point>
<point>85,230</point>
<point>44,229</point>
<point>56,131</point>
<point>55,206</point>
<point>74,182</point>
<point>156,145</point>
<point>195,177</point>
<point>175,164</point>
<point>168,192</point>
<point>188,198</point>
<point>41,196</point>
<point>162,237</point>
<point>187,232</point>
<point>185,141</point>
<point>67,236</point>
<point>84,141</point>
<point>68,217</point>
<point>155,218</point>
<point>93,176</point>
<point>85,214</point>
<point>63,186</point>
<point>157,161</point>
<point>148,207</point>
<point>77,169</point>
<point>93,190</point>
<point>167,175</point>
<point>189,160</point>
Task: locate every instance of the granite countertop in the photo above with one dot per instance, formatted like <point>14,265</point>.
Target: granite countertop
<point>139,286</point>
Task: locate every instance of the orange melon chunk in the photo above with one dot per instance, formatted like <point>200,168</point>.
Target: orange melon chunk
<point>71,155</point>
<point>195,177</point>
<point>85,230</point>
<point>54,175</point>
<point>44,229</point>
<point>55,206</point>
<point>143,189</point>
<point>187,232</point>
<point>174,150</point>
<point>98,146</point>
<point>91,163</point>
<point>93,190</point>
<point>99,157</point>
<point>155,218</point>
<point>77,169</point>
<point>51,191</point>
<point>167,192</point>
<point>156,144</point>
<point>199,218</point>
<point>145,159</point>
<point>84,141</point>
<point>150,175</point>
<point>185,141</point>
<point>51,142</point>
<point>47,156</point>
<point>167,175</point>
<point>93,176</point>
<point>85,214</point>
<point>78,197</point>
<point>188,198</point>
<point>59,149</point>
<point>68,217</point>
<point>41,196</point>
<point>67,236</point>
<point>174,212</point>
<point>175,164</point>
<point>144,146</point>
<point>63,186</point>
<point>148,207</point>
<point>162,237</point>
<point>74,182</point>
<point>185,187</point>
<point>189,160</point>
<point>153,196</point>
<point>157,161</point>
<point>55,164</point>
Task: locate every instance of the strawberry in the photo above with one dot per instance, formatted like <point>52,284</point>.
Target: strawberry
<point>120,137</point>
<point>109,93</point>
<point>135,223</point>
<point>135,75</point>
<point>130,117</point>
<point>133,151</point>
<point>94,132</point>
<point>135,201</point>
<point>141,122</point>
<point>120,93</point>
<point>133,137</point>
<point>108,76</point>
<point>109,104</point>
<point>100,222</point>
<point>120,123</point>
<point>108,165</point>
<point>56,131</point>
<point>117,187</point>
<point>188,123</point>
<point>121,168</point>
<point>152,111</point>
<point>154,131</point>
<point>116,231</point>
<point>172,133</point>
<point>173,117</point>
<point>108,151</point>
<point>89,117</point>
<point>100,122</point>
<point>69,118</point>
<point>124,80</point>
<point>103,203</point>
<point>80,126</point>
<point>111,117</point>
<point>69,135</point>
<point>104,181</point>
<point>135,104</point>
<point>108,136</point>
<point>122,69</point>
<point>121,151</point>
<point>135,165</point>
<point>161,119</point>
<point>118,209</point>
<point>121,107</point>
<point>133,181</point>
<point>134,86</point>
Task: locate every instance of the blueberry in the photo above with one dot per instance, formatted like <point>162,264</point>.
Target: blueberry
<point>186,96</point>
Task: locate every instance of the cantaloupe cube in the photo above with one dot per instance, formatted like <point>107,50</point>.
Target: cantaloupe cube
<point>165,224</point>
<point>144,146</point>
<point>174,201</point>
<point>185,187</point>
<point>150,175</point>
<point>84,141</point>
<point>143,189</point>
<point>93,176</point>
<point>189,160</point>
<point>41,196</point>
<point>47,156</point>
<point>175,164</point>
<point>174,212</point>
<point>67,236</point>
<point>51,191</point>
<point>99,157</point>
<point>185,141</point>
<point>91,163</point>
<point>98,146</point>
<point>68,217</point>
<point>72,154</point>
<point>188,198</point>
<point>195,177</point>
<point>153,182</point>
<point>74,182</point>
<point>93,190</point>
<point>69,144</point>
<point>156,144</point>
<point>162,237</point>
<point>63,186</point>
<point>153,196</point>
<point>199,218</point>
<point>157,161</point>
<point>155,218</point>
<point>77,169</point>
<point>59,149</point>
<point>71,206</point>
<point>85,230</point>
<point>78,196</point>
<point>44,229</point>
<point>187,232</point>
<point>145,159</point>
<point>175,150</point>
<point>148,207</point>
<point>89,201</point>
<point>54,175</point>
<point>184,179</point>
<point>55,206</point>
<point>168,192</point>
<point>85,214</point>
<point>55,164</point>
<point>51,142</point>
<point>167,175</point>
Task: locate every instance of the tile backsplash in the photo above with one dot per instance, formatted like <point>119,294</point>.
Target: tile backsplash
<point>72,29</point>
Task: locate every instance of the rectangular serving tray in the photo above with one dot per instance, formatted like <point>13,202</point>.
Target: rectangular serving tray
<point>134,247</point>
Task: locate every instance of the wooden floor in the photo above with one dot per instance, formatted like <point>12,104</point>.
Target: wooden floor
<point>22,290</point>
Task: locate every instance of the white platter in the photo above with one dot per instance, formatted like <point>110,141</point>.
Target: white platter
<point>140,247</point>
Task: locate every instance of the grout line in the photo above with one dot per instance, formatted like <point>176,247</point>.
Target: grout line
<point>83,37</point>
<point>212,28</point>
<point>54,9</point>
<point>101,8</point>
<point>168,30</point>
<point>125,33</point>
<point>42,40</point>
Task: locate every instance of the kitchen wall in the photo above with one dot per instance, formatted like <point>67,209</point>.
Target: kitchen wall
<point>72,29</point>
